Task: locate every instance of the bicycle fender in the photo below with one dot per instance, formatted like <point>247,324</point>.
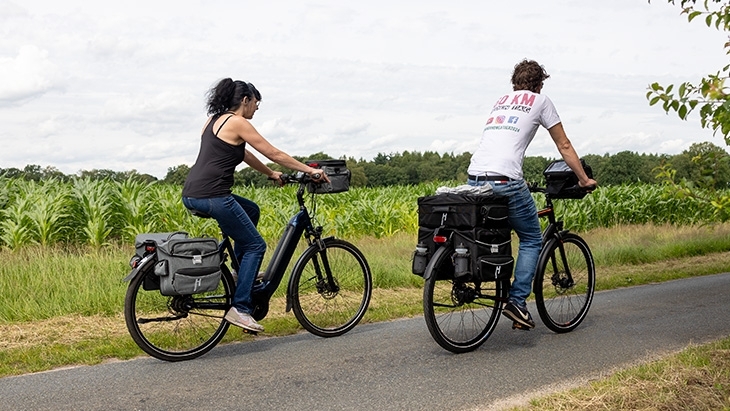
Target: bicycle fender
<point>559,235</point>
<point>429,267</point>
<point>141,266</point>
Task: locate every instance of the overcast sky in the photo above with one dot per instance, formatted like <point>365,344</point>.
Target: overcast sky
<point>97,85</point>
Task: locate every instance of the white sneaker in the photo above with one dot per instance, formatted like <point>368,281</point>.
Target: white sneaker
<point>243,320</point>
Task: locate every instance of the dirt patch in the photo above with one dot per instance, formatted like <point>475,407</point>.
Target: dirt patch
<point>64,330</point>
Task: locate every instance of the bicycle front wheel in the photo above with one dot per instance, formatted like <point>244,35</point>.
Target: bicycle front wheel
<point>564,283</point>
<point>460,315</point>
<point>330,288</point>
<point>180,327</point>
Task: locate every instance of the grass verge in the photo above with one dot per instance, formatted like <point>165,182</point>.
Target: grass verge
<point>698,379</point>
<point>61,307</point>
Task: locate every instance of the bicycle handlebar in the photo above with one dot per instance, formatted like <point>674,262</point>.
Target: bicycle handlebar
<point>299,177</point>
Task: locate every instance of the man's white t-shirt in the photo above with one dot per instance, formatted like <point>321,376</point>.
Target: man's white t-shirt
<point>510,128</point>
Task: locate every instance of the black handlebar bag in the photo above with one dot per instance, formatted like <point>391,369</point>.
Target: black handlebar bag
<point>336,171</point>
<point>561,181</point>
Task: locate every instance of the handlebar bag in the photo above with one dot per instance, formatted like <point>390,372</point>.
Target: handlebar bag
<point>561,181</point>
<point>188,266</point>
<point>336,171</point>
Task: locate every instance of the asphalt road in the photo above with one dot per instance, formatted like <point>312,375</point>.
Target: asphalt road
<point>395,365</point>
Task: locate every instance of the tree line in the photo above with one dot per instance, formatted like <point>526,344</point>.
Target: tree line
<point>700,163</point>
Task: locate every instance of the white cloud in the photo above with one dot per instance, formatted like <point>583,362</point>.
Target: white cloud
<point>26,76</point>
<point>122,85</point>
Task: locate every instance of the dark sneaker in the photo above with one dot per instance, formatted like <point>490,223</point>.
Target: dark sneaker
<point>518,315</point>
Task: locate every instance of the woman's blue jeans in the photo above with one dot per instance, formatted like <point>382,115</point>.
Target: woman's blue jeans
<point>523,219</point>
<point>237,218</point>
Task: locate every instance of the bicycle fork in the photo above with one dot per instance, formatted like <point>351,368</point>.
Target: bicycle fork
<point>326,284</point>
<point>565,280</point>
<point>555,230</point>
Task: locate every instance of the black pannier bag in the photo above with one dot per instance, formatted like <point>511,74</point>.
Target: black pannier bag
<point>184,265</point>
<point>461,211</point>
<point>484,241</point>
<point>489,251</point>
<point>479,222</point>
<point>561,181</point>
<point>495,267</point>
<point>336,171</point>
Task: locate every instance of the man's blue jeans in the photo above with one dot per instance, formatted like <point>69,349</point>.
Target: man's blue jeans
<point>237,218</point>
<point>523,219</point>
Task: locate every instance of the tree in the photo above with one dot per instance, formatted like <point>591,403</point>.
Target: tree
<point>710,95</point>
<point>532,168</point>
<point>713,99</point>
<point>177,174</point>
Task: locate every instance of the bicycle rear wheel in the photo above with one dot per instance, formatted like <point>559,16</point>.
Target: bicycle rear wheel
<point>460,315</point>
<point>176,328</point>
<point>564,283</point>
<point>330,289</point>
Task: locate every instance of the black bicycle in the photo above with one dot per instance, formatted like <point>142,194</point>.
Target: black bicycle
<point>329,290</point>
<point>461,313</point>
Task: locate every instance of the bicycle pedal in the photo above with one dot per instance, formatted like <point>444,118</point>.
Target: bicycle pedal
<point>254,333</point>
<point>518,326</point>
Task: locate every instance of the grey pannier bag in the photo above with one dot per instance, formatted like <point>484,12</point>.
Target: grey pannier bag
<point>188,265</point>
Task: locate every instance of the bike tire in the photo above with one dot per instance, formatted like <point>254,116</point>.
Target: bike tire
<point>460,315</point>
<point>325,309</point>
<point>176,328</point>
<point>562,303</point>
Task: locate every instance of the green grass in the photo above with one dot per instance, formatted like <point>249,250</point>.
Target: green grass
<point>61,306</point>
<point>697,378</point>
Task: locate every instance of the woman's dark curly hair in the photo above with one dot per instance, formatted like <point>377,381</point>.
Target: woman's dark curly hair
<point>528,75</point>
<point>228,94</point>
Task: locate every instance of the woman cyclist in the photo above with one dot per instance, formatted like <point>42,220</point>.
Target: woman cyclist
<point>231,104</point>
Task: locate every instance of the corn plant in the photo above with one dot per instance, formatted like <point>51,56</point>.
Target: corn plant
<point>100,212</point>
<point>95,206</point>
<point>137,207</point>
<point>48,213</point>
<point>14,225</point>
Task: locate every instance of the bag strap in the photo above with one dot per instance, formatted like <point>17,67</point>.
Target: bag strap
<point>183,233</point>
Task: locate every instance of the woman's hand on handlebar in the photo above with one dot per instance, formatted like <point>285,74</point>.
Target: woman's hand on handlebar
<point>319,176</point>
<point>275,176</point>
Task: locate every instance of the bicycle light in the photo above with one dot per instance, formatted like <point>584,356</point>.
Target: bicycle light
<point>439,239</point>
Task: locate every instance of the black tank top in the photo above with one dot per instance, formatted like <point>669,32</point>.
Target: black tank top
<point>212,173</point>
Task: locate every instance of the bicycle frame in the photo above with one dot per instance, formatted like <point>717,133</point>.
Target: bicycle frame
<point>298,225</point>
<point>554,229</point>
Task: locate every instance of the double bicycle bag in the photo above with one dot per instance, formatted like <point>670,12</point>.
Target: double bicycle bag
<point>184,265</point>
<point>561,181</point>
<point>477,224</point>
<point>336,171</point>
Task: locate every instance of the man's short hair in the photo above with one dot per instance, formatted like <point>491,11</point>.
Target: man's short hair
<point>528,75</point>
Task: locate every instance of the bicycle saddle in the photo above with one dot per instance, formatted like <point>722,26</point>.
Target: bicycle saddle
<point>198,213</point>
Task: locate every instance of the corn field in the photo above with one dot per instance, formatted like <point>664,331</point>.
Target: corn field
<point>101,212</point>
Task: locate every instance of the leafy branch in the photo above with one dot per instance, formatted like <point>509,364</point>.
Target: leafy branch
<point>711,95</point>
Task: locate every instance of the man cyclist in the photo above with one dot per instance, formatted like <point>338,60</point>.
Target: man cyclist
<point>511,126</point>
